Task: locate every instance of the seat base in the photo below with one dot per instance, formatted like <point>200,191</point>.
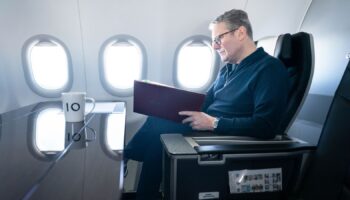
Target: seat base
<point>207,172</point>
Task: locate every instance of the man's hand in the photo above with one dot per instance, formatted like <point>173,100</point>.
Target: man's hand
<point>198,120</point>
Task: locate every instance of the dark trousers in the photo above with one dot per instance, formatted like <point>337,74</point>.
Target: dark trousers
<point>146,147</point>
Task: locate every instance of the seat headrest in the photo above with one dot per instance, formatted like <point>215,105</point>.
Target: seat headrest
<point>283,49</point>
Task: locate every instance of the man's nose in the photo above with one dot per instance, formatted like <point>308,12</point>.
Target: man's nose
<point>215,45</point>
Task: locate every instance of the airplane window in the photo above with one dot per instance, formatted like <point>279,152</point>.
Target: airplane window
<point>115,131</point>
<point>195,64</point>
<point>268,43</point>
<point>49,130</point>
<point>47,65</point>
<point>122,62</point>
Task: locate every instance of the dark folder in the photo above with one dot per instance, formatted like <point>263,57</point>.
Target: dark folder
<point>164,101</point>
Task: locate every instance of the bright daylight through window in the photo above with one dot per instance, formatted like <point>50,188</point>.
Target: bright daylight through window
<point>50,130</point>
<point>194,65</point>
<point>115,131</point>
<point>49,65</point>
<point>122,64</point>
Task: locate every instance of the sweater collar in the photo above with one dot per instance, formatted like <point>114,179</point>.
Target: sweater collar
<point>253,57</point>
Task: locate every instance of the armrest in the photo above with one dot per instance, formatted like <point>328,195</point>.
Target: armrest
<point>253,148</point>
<point>180,144</point>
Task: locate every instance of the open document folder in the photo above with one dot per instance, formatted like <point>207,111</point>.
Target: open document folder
<point>164,101</point>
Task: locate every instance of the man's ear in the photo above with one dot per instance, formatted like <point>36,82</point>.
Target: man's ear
<point>242,33</point>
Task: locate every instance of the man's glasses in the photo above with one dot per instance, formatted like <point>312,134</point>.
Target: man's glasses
<point>217,39</point>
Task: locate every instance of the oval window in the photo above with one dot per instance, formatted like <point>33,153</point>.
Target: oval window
<point>196,64</point>
<point>47,66</point>
<point>113,131</point>
<point>50,130</point>
<point>123,61</point>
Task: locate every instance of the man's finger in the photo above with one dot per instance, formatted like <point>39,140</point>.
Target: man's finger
<point>186,120</point>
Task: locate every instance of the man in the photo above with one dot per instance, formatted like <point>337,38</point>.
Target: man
<point>247,99</point>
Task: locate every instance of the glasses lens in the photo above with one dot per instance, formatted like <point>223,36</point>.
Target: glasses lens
<point>217,40</point>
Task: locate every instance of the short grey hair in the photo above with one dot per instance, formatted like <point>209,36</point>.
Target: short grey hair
<point>233,19</point>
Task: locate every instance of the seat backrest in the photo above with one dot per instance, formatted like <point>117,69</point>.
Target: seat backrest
<point>296,52</point>
<point>328,176</point>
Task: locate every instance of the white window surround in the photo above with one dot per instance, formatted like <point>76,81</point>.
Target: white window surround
<point>203,68</point>
<point>115,77</point>
<point>115,130</point>
<point>45,142</point>
<point>50,130</point>
<point>47,81</point>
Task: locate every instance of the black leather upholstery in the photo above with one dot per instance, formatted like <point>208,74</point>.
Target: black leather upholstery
<point>296,52</point>
<point>329,174</point>
<point>345,193</point>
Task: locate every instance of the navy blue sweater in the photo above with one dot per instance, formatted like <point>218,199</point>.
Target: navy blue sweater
<point>249,100</point>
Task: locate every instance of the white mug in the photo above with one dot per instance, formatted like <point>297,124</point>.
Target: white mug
<point>74,106</point>
<point>77,134</point>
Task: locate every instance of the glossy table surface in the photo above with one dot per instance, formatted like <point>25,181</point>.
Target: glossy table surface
<point>44,157</point>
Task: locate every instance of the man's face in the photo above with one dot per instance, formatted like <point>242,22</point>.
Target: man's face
<point>226,42</point>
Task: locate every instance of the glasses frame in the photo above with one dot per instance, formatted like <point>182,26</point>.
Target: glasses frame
<point>217,39</point>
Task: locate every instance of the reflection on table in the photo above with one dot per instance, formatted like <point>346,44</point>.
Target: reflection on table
<point>44,157</point>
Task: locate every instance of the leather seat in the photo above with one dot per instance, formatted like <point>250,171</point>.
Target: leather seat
<point>329,174</point>
<point>195,155</point>
<point>296,52</point>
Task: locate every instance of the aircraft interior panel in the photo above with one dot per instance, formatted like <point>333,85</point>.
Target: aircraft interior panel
<point>157,30</point>
<point>266,25</point>
<point>331,45</point>
<point>27,20</point>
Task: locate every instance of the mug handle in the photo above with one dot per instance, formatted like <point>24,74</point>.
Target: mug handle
<point>93,104</point>
<point>93,133</point>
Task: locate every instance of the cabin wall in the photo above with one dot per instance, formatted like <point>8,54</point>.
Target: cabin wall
<point>84,25</point>
<point>20,20</point>
<point>161,25</point>
<point>328,22</point>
